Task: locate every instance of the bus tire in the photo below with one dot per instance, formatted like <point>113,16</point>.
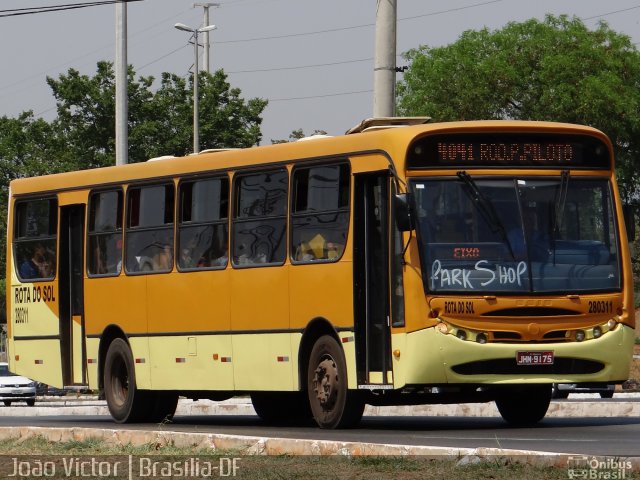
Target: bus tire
<point>524,405</point>
<point>164,406</point>
<point>126,403</point>
<point>281,407</point>
<point>559,394</point>
<point>332,404</point>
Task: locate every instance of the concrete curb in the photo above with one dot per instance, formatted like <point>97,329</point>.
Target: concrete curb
<point>253,445</point>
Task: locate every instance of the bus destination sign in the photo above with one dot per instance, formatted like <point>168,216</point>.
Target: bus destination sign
<point>513,150</point>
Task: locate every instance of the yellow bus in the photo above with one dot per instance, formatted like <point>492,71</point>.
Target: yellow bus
<point>417,264</point>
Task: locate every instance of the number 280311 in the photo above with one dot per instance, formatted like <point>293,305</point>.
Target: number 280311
<point>600,306</point>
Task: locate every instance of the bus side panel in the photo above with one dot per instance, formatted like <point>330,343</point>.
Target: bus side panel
<point>34,313</point>
<point>192,309</point>
<point>260,303</point>
<point>92,346</point>
<point>120,301</point>
<point>324,291</point>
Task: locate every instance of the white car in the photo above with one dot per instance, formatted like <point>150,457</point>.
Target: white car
<point>14,388</point>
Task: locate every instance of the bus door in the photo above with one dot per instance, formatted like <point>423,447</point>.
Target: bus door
<point>70,273</point>
<point>371,280</point>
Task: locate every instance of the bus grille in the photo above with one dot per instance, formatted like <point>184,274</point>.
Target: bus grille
<point>508,366</point>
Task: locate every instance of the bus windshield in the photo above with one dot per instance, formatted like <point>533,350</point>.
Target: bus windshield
<point>516,235</point>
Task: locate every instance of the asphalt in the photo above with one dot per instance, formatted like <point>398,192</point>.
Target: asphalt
<point>622,405</point>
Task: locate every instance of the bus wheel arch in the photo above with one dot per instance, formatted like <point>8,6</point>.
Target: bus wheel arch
<point>315,329</point>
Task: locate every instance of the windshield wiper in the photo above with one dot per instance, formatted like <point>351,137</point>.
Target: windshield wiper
<point>560,202</point>
<point>486,208</point>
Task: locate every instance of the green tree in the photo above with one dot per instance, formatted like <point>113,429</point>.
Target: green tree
<point>160,122</point>
<point>556,70</point>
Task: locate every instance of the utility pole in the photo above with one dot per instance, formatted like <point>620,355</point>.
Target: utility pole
<point>122,101</point>
<point>205,36</point>
<point>384,72</point>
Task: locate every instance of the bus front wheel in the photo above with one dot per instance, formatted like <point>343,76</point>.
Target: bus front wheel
<point>332,404</point>
<point>524,405</point>
<point>126,403</point>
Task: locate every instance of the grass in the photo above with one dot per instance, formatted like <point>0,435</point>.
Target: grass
<point>285,466</point>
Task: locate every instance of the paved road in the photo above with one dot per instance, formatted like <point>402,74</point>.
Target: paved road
<point>601,435</point>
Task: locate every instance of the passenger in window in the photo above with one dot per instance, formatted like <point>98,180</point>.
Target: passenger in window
<point>220,254</point>
<point>163,260</point>
<point>186,258</point>
<point>37,266</point>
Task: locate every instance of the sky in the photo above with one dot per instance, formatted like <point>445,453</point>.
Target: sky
<point>313,61</point>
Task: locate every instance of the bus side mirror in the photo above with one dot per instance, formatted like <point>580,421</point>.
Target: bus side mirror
<point>402,211</point>
<point>630,221</point>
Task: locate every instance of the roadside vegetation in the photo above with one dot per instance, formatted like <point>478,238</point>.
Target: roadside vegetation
<point>286,466</point>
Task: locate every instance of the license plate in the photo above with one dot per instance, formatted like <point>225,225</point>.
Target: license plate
<point>535,358</point>
<point>17,391</point>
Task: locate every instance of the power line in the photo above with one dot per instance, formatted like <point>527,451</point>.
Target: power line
<point>162,57</point>
<point>300,67</point>
<point>611,13</point>
<point>59,8</point>
<point>319,96</point>
<point>353,27</point>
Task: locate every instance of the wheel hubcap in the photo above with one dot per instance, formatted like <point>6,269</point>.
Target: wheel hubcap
<point>326,383</point>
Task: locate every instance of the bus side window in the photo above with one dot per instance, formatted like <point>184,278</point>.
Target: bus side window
<point>104,251</point>
<point>149,234</point>
<point>320,213</point>
<point>260,218</point>
<point>203,224</point>
<point>34,241</point>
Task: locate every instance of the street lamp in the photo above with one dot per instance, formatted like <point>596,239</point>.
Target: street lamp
<point>196,119</point>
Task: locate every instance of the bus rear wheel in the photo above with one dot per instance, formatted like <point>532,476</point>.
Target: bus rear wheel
<point>126,403</point>
<point>524,405</point>
<point>332,404</point>
<point>162,406</point>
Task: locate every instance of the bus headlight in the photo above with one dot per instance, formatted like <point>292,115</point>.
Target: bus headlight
<point>461,334</point>
<point>481,338</point>
<point>597,332</point>
<point>580,336</point>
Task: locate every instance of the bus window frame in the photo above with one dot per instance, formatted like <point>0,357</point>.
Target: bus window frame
<point>178,222</point>
<point>140,185</point>
<point>347,209</point>
<point>118,189</point>
<point>16,241</point>
<point>233,217</point>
